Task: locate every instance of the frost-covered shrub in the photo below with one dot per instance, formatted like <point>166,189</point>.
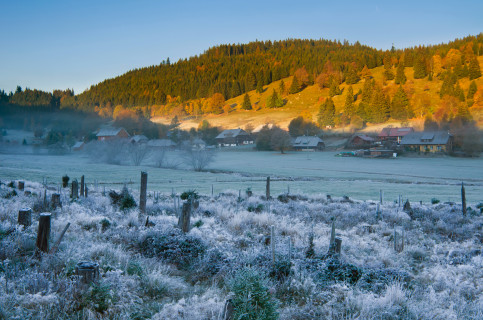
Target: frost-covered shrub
<point>173,246</point>
<point>434,201</point>
<point>98,297</point>
<point>65,181</point>
<point>336,270</point>
<point>105,224</point>
<point>376,280</point>
<point>124,200</point>
<point>213,263</point>
<point>252,299</point>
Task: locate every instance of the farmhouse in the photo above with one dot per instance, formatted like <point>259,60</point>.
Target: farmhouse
<point>138,139</point>
<point>431,142</point>
<point>233,137</point>
<point>394,134</point>
<point>361,141</point>
<point>306,143</point>
<point>112,133</point>
<point>78,146</point>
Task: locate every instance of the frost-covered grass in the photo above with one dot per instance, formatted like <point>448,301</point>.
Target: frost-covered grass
<point>159,273</point>
<point>419,179</point>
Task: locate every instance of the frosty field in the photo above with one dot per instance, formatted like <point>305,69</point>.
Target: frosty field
<point>418,179</point>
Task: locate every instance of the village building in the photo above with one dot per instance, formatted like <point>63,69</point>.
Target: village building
<point>361,141</point>
<point>112,133</point>
<point>139,139</point>
<point>234,137</point>
<point>428,142</point>
<point>308,143</point>
<point>394,134</point>
<point>161,144</point>
<point>78,146</point>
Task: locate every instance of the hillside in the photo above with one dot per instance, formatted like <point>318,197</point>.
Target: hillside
<point>309,100</point>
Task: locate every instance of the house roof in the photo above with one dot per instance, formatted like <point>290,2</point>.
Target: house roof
<point>161,143</point>
<point>110,132</point>
<point>307,141</point>
<point>363,137</point>
<point>426,138</point>
<point>232,133</point>
<point>139,137</point>
<point>395,132</point>
<point>78,144</point>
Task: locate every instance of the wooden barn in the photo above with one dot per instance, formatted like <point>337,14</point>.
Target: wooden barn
<point>307,143</point>
<point>394,134</point>
<point>233,137</point>
<point>428,142</point>
<point>360,141</point>
<point>112,133</point>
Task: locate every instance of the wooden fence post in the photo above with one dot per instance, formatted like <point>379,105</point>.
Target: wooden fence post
<point>55,201</point>
<point>43,232</point>
<point>463,198</point>
<point>142,195</point>
<point>21,185</point>
<point>185,216</point>
<point>82,186</point>
<point>25,217</point>
<point>267,191</point>
<point>272,242</point>
<point>74,194</point>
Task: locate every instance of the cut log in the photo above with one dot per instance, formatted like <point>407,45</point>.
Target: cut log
<point>88,271</point>
<point>25,217</point>
<point>43,233</point>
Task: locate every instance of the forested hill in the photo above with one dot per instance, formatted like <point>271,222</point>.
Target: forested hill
<point>337,83</point>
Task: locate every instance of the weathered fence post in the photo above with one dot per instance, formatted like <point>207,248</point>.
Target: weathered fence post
<point>378,212</point>
<point>82,186</point>
<point>74,194</point>
<point>57,243</point>
<point>289,249</point>
<point>55,201</point>
<point>86,191</point>
<point>337,245</point>
<point>267,191</point>
<point>21,185</point>
<point>395,239</point>
<point>463,198</point>
<point>142,195</point>
<point>88,271</point>
<point>380,196</point>
<point>212,191</point>
<point>25,217</point>
<point>272,242</point>
<point>43,232</point>
<point>228,310</point>
<point>185,216</point>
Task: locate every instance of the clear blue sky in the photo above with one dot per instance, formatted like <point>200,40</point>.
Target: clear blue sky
<point>73,44</point>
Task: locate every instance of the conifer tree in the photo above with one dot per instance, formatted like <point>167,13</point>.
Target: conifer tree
<point>326,116</point>
<point>274,100</point>
<point>295,86</point>
<point>388,74</point>
<point>420,68</point>
<point>447,88</point>
<point>281,88</point>
<point>334,89</point>
<point>400,108</point>
<point>349,108</point>
<point>351,76</point>
<point>458,92</point>
<point>259,87</point>
<point>474,70</point>
<point>472,90</point>
<point>378,108</point>
<point>247,104</point>
<point>400,76</point>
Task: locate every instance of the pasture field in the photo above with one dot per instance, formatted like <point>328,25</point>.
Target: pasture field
<point>415,178</point>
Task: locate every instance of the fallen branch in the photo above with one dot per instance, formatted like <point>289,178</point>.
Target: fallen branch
<point>57,243</point>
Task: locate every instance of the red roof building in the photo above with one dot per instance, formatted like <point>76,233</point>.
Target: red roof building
<point>394,134</point>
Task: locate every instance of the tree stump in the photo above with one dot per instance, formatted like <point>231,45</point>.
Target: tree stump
<point>185,216</point>
<point>88,271</point>
<point>25,217</point>
<point>55,201</point>
<point>21,185</point>
<point>82,186</point>
<point>74,194</point>
<point>43,233</point>
<point>142,195</point>
<point>267,190</point>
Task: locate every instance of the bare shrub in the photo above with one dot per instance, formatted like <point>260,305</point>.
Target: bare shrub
<point>138,152</point>
<point>198,159</point>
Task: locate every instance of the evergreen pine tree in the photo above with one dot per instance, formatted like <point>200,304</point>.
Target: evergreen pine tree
<point>420,68</point>
<point>400,76</point>
<point>472,90</point>
<point>326,116</point>
<point>351,76</point>
<point>377,110</point>
<point>349,108</point>
<point>474,70</point>
<point>400,108</point>
<point>274,100</point>
<point>295,86</point>
<point>281,88</point>
<point>447,88</point>
<point>247,104</point>
<point>334,89</point>
<point>458,92</point>
<point>259,87</point>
